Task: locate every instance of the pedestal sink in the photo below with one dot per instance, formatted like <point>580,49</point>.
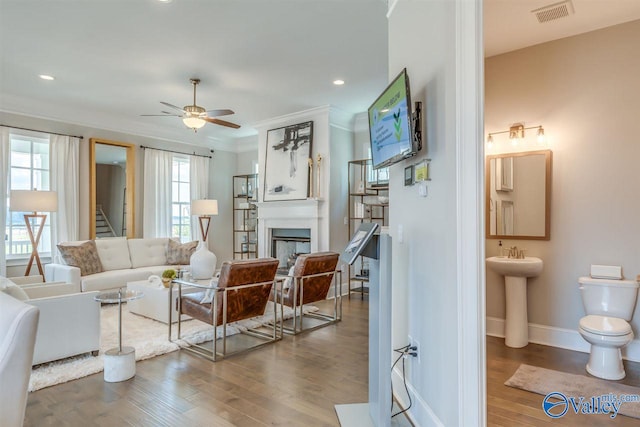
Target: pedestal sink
<point>515,272</point>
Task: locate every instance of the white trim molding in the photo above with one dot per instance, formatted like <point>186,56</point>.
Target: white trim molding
<point>470,233</point>
<point>568,339</point>
<point>420,410</point>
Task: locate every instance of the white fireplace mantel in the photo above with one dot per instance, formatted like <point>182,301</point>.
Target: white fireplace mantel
<point>290,214</point>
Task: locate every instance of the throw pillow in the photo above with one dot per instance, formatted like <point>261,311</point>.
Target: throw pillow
<point>180,253</point>
<point>10,288</point>
<point>84,256</point>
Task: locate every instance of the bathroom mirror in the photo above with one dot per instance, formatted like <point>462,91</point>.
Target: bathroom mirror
<point>111,189</point>
<point>518,193</point>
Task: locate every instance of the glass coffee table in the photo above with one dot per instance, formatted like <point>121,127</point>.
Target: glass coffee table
<point>119,362</point>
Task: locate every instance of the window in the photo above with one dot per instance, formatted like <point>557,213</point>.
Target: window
<point>29,164</point>
<point>377,176</point>
<point>180,199</point>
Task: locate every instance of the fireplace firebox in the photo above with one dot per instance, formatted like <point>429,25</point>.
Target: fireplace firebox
<point>287,244</point>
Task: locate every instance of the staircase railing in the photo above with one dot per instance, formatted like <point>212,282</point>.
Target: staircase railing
<point>106,220</point>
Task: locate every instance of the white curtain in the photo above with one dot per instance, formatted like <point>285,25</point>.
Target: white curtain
<point>198,188</point>
<point>64,155</point>
<point>157,194</point>
<point>5,150</point>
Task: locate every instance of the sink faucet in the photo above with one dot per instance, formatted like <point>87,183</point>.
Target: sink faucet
<point>515,253</point>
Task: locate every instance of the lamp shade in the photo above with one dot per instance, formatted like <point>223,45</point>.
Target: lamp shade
<point>204,207</point>
<point>33,201</point>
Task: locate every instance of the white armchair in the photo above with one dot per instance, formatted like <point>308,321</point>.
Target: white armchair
<point>69,319</point>
<point>18,323</point>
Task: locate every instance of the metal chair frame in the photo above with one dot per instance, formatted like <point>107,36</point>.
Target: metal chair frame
<point>298,324</point>
<point>215,355</point>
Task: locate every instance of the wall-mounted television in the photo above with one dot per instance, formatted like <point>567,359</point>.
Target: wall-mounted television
<point>390,124</point>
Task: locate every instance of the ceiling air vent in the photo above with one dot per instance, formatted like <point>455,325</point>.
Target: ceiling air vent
<point>554,11</point>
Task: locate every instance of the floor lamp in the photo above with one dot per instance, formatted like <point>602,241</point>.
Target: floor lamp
<point>34,201</point>
<point>203,261</point>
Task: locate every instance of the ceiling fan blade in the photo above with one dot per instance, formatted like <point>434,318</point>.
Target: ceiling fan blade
<point>218,113</point>
<point>221,122</point>
<point>164,114</point>
<point>171,106</point>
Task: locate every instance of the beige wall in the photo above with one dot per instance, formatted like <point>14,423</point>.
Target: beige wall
<point>584,90</point>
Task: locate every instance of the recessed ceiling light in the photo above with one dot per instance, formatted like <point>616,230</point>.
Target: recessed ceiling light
<point>165,1</point>
<point>46,77</point>
<point>338,82</point>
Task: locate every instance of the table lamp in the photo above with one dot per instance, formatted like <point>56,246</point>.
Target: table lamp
<point>34,201</point>
<point>203,261</point>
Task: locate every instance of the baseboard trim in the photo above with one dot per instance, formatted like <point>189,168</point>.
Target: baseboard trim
<point>420,410</point>
<point>568,339</point>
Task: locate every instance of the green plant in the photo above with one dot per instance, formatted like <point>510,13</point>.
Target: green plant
<point>169,274</point>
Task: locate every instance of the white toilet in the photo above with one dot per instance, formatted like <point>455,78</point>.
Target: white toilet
<point>609,305</point>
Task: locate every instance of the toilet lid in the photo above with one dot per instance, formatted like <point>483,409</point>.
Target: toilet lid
<point>603,325</point>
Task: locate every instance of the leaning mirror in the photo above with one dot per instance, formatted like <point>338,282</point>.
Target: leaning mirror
<point>518,192</point>
<point>111,189</point>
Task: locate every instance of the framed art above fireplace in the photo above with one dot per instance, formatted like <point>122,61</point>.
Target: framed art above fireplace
<point>287,162</point>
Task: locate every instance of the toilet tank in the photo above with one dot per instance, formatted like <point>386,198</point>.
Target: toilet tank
<point>615,298</point>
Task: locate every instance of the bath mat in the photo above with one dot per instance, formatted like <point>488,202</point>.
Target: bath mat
<point>544,381</point>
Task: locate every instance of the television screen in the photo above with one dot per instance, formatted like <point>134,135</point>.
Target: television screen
<point>390,124</point>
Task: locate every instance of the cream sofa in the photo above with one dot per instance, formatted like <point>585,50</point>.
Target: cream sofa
<point>123,260</point>
<point>69,321</point>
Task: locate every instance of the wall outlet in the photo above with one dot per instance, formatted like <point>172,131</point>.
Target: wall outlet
<point>416,344</point>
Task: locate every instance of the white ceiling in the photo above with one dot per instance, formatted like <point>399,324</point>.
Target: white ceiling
<point>117,59</point>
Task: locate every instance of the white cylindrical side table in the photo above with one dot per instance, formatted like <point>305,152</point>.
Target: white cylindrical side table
<point>119,362</point>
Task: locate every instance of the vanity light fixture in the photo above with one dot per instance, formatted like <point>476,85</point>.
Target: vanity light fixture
<point>490,141</point>
<point>541,138</point>
<point>516,133</point>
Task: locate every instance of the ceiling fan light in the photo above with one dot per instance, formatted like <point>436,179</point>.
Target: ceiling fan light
<point>193,122</point>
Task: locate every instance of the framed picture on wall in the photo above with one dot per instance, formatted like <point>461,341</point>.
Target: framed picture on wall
<point>408,175</point>
<point>287,162</point>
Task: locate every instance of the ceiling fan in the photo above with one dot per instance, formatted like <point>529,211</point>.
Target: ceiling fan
<point>194,116</point>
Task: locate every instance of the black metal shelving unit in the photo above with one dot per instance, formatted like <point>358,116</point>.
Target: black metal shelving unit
<point>365,187</point>
<point>245,216</point>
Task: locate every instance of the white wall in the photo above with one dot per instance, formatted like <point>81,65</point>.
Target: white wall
<point>333,140</point>
<point>221,170</point>
<point>341,143</point>
<point>584,91</point>
<point>437,267</point>
<point>247,161</point>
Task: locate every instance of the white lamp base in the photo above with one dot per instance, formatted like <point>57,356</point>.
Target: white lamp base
<point>203,263</point>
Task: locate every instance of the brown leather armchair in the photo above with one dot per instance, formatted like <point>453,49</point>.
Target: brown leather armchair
<point>242,292</point>
<point>311,281</point>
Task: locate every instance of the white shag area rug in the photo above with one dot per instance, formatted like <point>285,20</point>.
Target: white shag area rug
<point>147,336</point>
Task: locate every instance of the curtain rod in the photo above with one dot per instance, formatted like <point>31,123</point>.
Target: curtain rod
<point>177,152</point>
<point>43,131</point>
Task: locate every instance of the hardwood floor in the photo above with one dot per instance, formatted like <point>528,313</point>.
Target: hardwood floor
<point>507,406</point>
<point>295,382</point>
